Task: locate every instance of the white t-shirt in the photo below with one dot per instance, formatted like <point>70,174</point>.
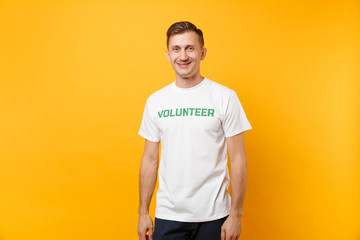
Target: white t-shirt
<point>192,124</point>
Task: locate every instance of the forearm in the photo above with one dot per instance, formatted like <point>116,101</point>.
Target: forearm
<point>147,183</point>
<point>238,185</point>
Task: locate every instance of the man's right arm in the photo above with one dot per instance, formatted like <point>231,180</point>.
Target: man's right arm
<point>147,181</point>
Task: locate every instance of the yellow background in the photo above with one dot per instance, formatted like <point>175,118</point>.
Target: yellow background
<point>74,79</point>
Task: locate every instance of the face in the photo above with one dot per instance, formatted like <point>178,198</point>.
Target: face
<point>185,54</point>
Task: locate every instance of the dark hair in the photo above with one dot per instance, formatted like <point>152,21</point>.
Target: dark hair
<point>181,27</point>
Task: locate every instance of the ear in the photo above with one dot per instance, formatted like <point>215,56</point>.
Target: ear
<point>167,55</point>
<point>203,53</point>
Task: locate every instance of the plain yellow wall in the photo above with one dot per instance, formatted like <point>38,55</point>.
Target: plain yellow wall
<point>74,78</point>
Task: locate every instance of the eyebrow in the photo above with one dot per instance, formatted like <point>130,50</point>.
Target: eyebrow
<point>190,45</point>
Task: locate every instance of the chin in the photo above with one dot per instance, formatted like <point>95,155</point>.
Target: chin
<point>185,75</point>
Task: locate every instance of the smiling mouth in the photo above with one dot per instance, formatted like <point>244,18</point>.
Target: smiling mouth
<point>184,64</point>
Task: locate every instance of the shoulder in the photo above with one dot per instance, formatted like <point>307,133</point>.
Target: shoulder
<point>159,95</point>
<point>221,89</point>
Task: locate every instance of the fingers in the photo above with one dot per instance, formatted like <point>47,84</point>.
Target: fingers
<point>151,233</point>
<point>145,227</point>
<point>228,236</point>
<point>142,235</point>
<point>233,237</point>
<point>223,234</point>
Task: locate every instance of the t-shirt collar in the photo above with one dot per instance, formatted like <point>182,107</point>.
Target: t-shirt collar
<point>197,86</point>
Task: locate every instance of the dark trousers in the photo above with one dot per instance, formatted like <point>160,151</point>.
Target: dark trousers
<point>174,230</point>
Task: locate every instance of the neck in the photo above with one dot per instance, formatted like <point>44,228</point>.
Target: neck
<point>188,82</point>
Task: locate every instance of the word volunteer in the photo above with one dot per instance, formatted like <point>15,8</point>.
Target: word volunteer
<point>186,112</point>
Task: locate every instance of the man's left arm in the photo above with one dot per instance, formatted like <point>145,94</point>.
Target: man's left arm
<point>231,228</point>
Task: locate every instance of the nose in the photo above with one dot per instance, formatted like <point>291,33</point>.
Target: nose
<point>183,55</point>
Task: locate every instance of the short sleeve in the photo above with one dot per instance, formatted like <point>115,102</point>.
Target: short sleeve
<point>148,128</point>
<point>235,120</point>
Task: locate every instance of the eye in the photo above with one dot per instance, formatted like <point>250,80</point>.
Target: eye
<point>176,49</point>
<point>191,48</point>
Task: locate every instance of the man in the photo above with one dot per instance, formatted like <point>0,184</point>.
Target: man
<point>197,121</point>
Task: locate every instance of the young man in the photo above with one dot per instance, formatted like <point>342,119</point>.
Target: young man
<point>197,120</point>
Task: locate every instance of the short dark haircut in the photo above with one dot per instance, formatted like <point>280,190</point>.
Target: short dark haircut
<point>181,27</point>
